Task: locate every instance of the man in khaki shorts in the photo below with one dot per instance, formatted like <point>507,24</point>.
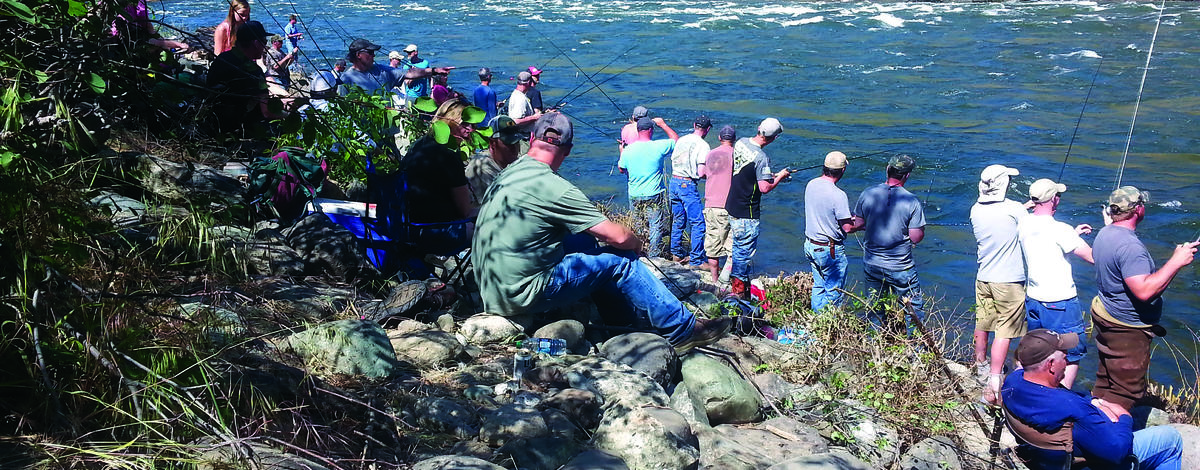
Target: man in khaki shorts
<point>1000,283</point>
<point>718,171</point>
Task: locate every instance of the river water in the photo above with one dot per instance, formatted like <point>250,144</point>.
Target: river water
<point>958,86</point>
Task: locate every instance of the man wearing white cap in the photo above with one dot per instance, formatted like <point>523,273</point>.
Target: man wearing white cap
<point>1051,300</point>
<point>751,179</point>
<point>1000,281</point>
<point>827,220</point>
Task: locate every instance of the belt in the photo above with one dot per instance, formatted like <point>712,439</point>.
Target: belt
<point>829,243</point>
<point>684,177</point>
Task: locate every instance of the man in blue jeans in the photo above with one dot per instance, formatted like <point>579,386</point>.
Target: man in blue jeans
<point>642,160</point>
<point>827,220</point>
<point>751,179</point>
<point>535,250</point>
<point>687,212</point>
<point>1054,424</point>
<point>893,221</point>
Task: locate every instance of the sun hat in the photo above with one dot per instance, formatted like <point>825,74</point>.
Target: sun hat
<point>993,182</point>
<point>835,160</point>
<point>534,71</point>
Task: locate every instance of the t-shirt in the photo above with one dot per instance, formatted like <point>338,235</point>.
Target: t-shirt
<point>270,65</point>
<point>825,205</point>
<point>419,87</point>
<point>380,77</point>
<point>690,152</point>
<point>1046,242</point>
<point>995,227</point>
<point>485,99</point>
<point>481,172</point>
<point>519,107</point>
<point>750,165</point>
<point>1101,441</point>
<point>644,163</point>
<point>240,86</point>
<point>432,170</point>
<point>889,211</point>
<point>526,215</point>
<point>1119,254</point>
<point>292,42</point>
<point>629,133</point>
<point>535,98</point>
<point>718,168</point>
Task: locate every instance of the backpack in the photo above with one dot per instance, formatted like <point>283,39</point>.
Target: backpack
<point>280,185</point>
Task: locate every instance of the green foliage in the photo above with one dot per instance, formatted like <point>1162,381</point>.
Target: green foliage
<point>354,129</point>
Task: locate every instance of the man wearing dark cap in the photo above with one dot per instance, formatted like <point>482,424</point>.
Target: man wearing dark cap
<point>535,250</point>
<point>643,162</point>
<point>485,96</point>
<point>893,222</point>
<point>365,73</point>
<point>1053,424</point>
<point>1128,304</point>
<point>717,172</point>
<point>240,84</point>
<point>504,145</point>
<point>827,220</point>
<point>519,107</point>
<point>687,213</point>
<point>752,178</point>
<point>629,133</point>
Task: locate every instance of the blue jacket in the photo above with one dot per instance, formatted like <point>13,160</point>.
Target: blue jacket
<point>1097,439</point>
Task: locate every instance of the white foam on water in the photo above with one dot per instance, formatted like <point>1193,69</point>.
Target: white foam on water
<point>661,20</point>
<point>585,41</point>
<point>815,19</point>
<point>889,68</point>
<point>889,19</point>
<point>1082,53</point>
<point>1171,204</point>
<point>997,74</point>
<point>896,53</point>
<point>1058,70</point>
<point>776,10</point>
<point>410,7</point>
<point>1023,105</point>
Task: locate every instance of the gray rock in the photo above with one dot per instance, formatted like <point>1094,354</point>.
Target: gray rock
<point>581,406</point>
<point>1146,416</point>
<point>617,384</point>
<point>539,453</point>
<point>512,422</point>
<point>697,418</point>
<point>773,387</point>
<point>836,460</point>
<point>877,444</point>
<point>1191,444</point>
<point>471,448</point>
<point>351,347</point>
<point>220,326</point>
<point>268,258</point>
<point>328,248</point>
<point>570,331</point>
<point>488,329</point>
<point>186,182</point>
<point>934,453</point>
<point>123,210</point>
<point>595,460</point>
<point>455,462</point>
<point>425,349</point>
<point>707,301</point>
<point>779,439</point>
<point>311,302</point>
<point>649,353</point>
<point>400,299</point>
<point>560,425</point>
<point>648,437</point>
<point>444,415</point>
<point>679,279</point>
<point>489,374</point>
<point>726,397</point>
<point>255,456</point>
<point>445,322</point>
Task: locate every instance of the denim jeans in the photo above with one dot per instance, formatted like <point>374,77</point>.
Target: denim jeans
<point>687,213</point>
<point>902,283</point>
<point>1158,448</point>
<point>829,273</point>
<point>626,293</point>
<point>745,241</point>
<point>651,211</point>
<point>1064,316</point>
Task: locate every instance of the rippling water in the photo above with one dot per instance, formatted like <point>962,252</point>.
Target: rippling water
<point>957,85</point>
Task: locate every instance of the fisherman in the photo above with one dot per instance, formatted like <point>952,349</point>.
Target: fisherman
<point>827,220</point>
<point>643,161</point>
<point>535,94</point>
<point>241,87</point>
<point>394,59</point>
<point>275,66</point>
<point>1128,304</point>
<point>416,85</point>
<point>485,95</point>
<point>751,179</point>
<point>1054,424</point>
<point>525,263</point>
<point>629,133</point>
<point>1051,300</point>
<point>504,147</point>
<point>339,66</point>
<point>1000,281</point>
<point>293,36</point>
<point>687,213</point>
<point>717,172</point>
<point>365,73</point>
<point>894,222</point>
<point>519,107</point>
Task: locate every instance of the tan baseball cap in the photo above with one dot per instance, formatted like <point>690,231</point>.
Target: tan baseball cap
<point>1039,344</point>
<point>1044,190</point>
<point>835,160</point>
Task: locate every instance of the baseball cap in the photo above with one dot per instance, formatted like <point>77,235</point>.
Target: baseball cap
<point>410,48</point>
<point>835,160</point>
<point>363,45</point>
<point>524,77</point>
<point>322,81</point>
<point>703,122</point>
<point>276,38</point>
<point>1039,344</point>
<point>640,112</point>
<point>553,128</point>
<point>1044,190</point>
<point>506,130</point>
<point>253,30</point>
<point>902,163</point>
<point>770,127</point>
<point>727,133</point>
<point>485,72</point>
<point>534,71</point>
<point>1125,199</point>
<point>395,55</point>
<point>645,123</point>
<point>993,182</point>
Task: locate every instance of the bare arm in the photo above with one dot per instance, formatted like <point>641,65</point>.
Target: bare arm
<point>1148,286</point>
<point>221,38</point>
<point>462,200</point>
<point>616,236</point>
<point>766,186</point>
<point>663,125</point>
<point>1085,253</point>
<point>916,235</point>
<point>851,225</point>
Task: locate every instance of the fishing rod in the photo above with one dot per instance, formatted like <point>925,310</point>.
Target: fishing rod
<point>548,61</point>
<point>297,49</point>
<point>812,167</point>
<point>610,62</point>
<point>1079,120</point>
<point>597,85</point>
<point>577,67</point>
<point>572,116</point>
<point>311,37</point>
<point>1142,86</point>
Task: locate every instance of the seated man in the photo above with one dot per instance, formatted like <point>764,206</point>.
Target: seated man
<point>239,84</point>
<point>523,264</point>
<point>1055,424</point>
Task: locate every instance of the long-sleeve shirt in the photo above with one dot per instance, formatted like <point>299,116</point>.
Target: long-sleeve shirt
<point>1099,440</point>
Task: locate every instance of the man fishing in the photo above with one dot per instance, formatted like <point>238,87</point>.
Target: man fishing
<point>752,179</point>
<point>520,109</point>
<point>1128,305</point>
<point>364,72</point>
<point>894,221</point>
<point>827,220</point>
<point>629,132</point>
<point>717,173</point>
<point>643,161</point>
<point>687,213</point>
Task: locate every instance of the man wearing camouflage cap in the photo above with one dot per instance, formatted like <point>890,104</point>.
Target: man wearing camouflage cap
<point>1128,304</point>
<point>893,222</point>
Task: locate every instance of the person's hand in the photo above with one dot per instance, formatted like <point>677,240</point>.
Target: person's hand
<point>1083,229</point>
<point>782,175</point>
<point>1107,218</point>
<point>659,121</point>
<point>1184,253</point>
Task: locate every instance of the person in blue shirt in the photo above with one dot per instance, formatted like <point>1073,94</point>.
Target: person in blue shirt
<point>293,36</point>
<point>417,86</point>
<point>642,161</point>
<point>485,95</point>
<point>1054,424</point>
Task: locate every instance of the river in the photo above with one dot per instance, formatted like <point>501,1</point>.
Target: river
<point>958,86</point>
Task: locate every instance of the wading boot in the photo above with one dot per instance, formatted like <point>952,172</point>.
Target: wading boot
<point>706,331</point>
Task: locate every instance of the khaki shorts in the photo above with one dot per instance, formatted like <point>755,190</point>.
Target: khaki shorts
<point>1000,307</point>
<point>717,242</point>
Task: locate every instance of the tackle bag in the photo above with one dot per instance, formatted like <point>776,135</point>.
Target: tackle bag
<point>281,184</point>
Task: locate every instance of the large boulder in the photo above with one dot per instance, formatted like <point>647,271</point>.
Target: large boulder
<point>186,182</point>
<point>650,353</point>
<point>648,438</point>
<point>254,455</point>
<point>487,329</point>
<point>581,406</point>
<point>726,397</point>
<point>350,347</point>
<point>693,412</point>
<point>836,460</point>
<point>1191,444</point>
<point>595,460</point>
<point>444,415</point>
<point>934,453</point>
<point>425,348</point>
<point>731,447</point>
<point>511,422</point>
<point>455,462</point>
<point>570,331</point>
<point>617,384</point>
<point>328,248</point>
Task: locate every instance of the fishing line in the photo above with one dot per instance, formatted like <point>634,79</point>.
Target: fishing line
<point>639,64</point>
<point>848,159</point>
<point>577,67</point>
<point>304,24</point>
<point>1079,120</point>
<point>572,116</point>
<point>1145,70</point>
<point>614,59</point>
<point>291,85</point>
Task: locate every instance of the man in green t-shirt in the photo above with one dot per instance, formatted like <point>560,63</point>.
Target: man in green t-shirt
<point>535,250</point>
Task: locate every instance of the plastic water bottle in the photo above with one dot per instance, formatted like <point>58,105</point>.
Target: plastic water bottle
<point>791,336</point>
<point>550,346</point>
<point>522,364</point>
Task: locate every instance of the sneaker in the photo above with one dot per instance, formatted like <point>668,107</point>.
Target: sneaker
<point>706,331</point>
